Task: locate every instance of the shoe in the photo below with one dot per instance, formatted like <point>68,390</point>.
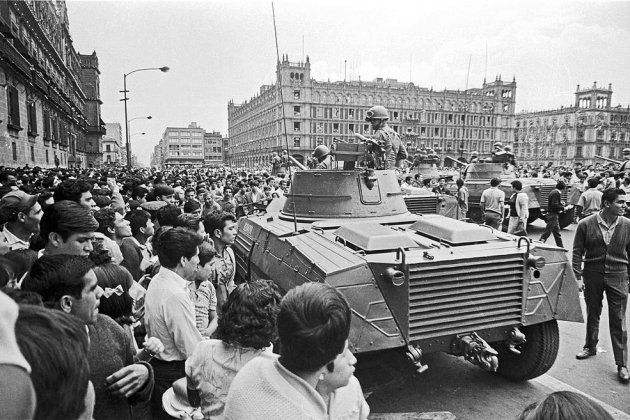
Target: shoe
<point>623,374</point>
<point>585,353</point>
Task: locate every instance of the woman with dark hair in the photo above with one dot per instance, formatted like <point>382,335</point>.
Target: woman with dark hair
<point>246,330</point>
<point>120,293</point>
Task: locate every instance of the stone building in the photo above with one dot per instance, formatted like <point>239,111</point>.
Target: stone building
<point>452,122</point>
<point>50,105</point>
<point>213,149</point>
<point>183,146</point>
<point>112,145</point>
<point>590,127</point>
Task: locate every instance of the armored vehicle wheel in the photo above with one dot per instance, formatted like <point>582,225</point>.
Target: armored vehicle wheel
<point>566,218</point>
<point>537,355</point>
<point>474,214</point>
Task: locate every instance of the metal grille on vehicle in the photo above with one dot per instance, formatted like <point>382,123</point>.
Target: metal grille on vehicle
<point>544,194</point>
<point>421,204</point>
<point>453,297</point>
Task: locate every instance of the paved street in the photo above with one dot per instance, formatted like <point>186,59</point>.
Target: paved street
<point>452,384</point>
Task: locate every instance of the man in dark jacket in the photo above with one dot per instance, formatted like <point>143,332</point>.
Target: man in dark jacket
<point>602,241</point>
<point>554,208</point>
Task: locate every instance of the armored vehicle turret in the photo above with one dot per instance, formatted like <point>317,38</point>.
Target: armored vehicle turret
<point>416,283</point>
<point>477,178</point>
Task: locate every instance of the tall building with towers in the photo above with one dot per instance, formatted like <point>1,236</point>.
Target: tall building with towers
<point>453,122</point>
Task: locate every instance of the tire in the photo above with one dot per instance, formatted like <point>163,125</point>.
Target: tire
<point>537,355</point>
<point>474,214</point>
<point>566,218</point>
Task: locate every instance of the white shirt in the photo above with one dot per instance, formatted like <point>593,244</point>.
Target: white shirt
<point>170,315</point>
<point>10,242</point>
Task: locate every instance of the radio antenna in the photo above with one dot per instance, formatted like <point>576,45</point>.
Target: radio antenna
<point>284,119</point>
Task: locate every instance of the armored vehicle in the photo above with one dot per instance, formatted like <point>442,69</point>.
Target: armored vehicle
<point>416,284</point>
<point>477,178</point>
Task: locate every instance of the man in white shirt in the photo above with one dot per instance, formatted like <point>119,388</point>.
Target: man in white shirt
<point>169,311</point>
<point>492,201</point>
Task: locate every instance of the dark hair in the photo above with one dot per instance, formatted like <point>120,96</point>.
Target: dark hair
<point>611,194</point>
<point>53,276</point>
<point>249,315</point>
<point>66,218</point>
<point>495,182</point>
<point>426,182</point>
<point>56,346</point>
<point>206,253</point>
<point>560,185</point>
<point>139,192</point>
<point>22,260</point>
<point>188,221</point>
<point>23,296</point>
<point>71,190</point>
<point>167,215</point>
<point>138,219</point>
<point>217,220</point>
<point>162,189</point>
<point>313,325</point>
<point>118,308</point>
<point>105,219</point>
<point>191,205</point>
<point>176,243</point>
<point>408,178</point>
<point>565,405</point>
<point>102,201</point>
<point>518,185</point>
<point>459,182</point>
<point>593,182</point>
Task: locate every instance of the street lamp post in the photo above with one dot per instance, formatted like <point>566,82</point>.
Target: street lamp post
<point>125,99</point>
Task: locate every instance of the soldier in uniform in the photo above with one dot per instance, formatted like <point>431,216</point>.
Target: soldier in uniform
<point>392,149</point>
<point>625,165</point>
<point>474,157</point>
<point>321,155</point>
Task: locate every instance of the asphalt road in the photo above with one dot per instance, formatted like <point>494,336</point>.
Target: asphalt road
<point>451,384</point>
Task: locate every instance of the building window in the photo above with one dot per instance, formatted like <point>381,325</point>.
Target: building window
<point>296,126</point>
<point>32,119</point>
<point>296,110</point>
<point>320,141</point>
<point>47,157</point>
<point>14,150</point>
<point>32,153</point>
<point>13,106</point>
<point>598,150</point>
<point>108,148</point>
<point>296,94</point>
<point>578,152</point>
<point>296,142</point>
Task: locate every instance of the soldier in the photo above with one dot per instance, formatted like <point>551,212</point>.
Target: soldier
<point>625,165</point>
<point>474,157</point>
<point>392,150</point>
<point>276,164</point>
<point>321,154</point>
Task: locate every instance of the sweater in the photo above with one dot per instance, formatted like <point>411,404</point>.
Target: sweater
<point>110,351</point>
<point>265,390</point>
<point>589,245</point>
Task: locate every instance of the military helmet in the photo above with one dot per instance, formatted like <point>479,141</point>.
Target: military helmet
<point>498,145</point>
<point>377,113</point>
<point>626,151</point>
<point>321,151</point>
<point>475,153</point>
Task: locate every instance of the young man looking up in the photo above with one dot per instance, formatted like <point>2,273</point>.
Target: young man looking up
<point>136,253</point>
<point>68,283</point>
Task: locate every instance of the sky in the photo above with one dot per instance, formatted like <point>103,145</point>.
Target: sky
<point>225,50</point>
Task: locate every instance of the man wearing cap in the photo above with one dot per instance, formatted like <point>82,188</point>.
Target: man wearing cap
<point>22,213</point>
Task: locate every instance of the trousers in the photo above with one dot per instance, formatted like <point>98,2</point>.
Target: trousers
<point>165,373</point>
<point>553,226</point>
<point>616,287</point>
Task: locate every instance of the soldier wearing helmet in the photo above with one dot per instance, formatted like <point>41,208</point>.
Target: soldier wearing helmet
<point>625,165</point>
<point>393,149</point>
<point>474,157</point>
<point>321,154</point>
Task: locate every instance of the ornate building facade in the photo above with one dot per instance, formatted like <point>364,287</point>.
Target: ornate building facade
<point>213,149</point>
<point>50,104</point>
<point>452,122</point>
<point>591,127</point>
<point>112,145</point>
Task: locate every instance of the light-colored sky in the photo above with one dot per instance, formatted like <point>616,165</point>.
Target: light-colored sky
<point>222,50</point>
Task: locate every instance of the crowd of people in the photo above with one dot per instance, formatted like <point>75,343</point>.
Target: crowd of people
<point>119,300</point>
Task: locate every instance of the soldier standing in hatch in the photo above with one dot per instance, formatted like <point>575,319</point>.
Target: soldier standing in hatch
<point>392,148</point>
<point>625,165</point>
<point>321,154</point>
